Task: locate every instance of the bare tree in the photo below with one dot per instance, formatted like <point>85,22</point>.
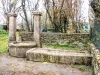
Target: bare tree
<point>59,13</point>
<point>7,7</point>
<point>29,5</point>
<point>25,14</point>
<point>20,5</point>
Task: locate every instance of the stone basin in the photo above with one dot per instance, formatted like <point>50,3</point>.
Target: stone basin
<point>22,44</point>
<point>18,49</point>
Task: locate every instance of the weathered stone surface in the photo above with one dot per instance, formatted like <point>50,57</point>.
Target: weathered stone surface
<point>19,49</point>
<point>96,29</point>
<point>96,59</point>
<point>76,39</point>
<point>96,7</point>
<point>26,36</point>
<point>12,26</point>
<point>64,37</point>
<point>96,36</point>
<point>57,56</point>
<point>37,22</point>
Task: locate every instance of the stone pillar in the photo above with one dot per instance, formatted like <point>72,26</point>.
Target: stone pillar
<point>37,36</point>
<point>12,26</point>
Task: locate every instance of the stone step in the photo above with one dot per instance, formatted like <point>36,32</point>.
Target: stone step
<point>58,56</point>
<point>18,49</point>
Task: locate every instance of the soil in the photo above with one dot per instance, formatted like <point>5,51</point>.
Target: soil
<point>20,66</point>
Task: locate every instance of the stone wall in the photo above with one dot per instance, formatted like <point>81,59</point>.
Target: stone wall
<point>75,39</point>
<point>26,36</point>
<point>96,59</point>
<point>64,38</point>
<point>96,29</point>
<point>96,36</point>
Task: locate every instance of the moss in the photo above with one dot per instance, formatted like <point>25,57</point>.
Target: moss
<point>63,47</point>
<point>87,43</point>
<point>17,34</point>
<point>82,68</point>
<point>72,65</point>
<point>93,73</point>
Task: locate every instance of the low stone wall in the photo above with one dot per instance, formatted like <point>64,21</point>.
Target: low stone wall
<point>64,38</point>
<point>75,39</point>
<point>95,35</point>
<point>26,36</point>
<point>96,59</point>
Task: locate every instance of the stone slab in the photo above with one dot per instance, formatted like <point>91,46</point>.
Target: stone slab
<point>58,56</point>
<point>19,49</point>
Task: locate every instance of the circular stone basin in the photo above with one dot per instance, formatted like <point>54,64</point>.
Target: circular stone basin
<point>22,44</point>
<point>18,49</point>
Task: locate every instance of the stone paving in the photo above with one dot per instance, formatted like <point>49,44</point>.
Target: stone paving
<point>20,66</point>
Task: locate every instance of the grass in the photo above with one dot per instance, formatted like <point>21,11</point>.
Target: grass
<point>3,41</point>
<point>81,67</point>
<point>63,47</point>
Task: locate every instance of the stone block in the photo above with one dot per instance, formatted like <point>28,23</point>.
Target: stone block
<point>58,56</point>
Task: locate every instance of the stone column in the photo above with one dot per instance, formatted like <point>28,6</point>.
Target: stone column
<point>37,36</point>
<point>12,26</point>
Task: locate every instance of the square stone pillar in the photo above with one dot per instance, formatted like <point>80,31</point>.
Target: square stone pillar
<point>37,21</point>
<point>12,26</point>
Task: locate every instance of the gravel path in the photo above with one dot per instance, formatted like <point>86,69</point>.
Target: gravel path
<point>20,66</point>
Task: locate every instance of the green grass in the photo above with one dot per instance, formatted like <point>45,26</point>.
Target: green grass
<point>81,67</point>
<point>64,47</point>
<point>3,41</point>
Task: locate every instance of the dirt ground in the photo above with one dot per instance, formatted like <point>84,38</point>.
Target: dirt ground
<point>20,66</point>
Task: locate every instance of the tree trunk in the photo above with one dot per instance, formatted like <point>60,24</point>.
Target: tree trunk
<point>25,14</point>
